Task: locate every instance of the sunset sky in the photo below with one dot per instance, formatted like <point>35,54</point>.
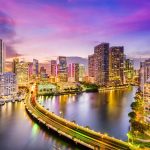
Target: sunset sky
<point>43,29</point>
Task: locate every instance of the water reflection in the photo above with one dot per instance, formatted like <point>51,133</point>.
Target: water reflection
<point>104,112</point>
<point>19,132</point>
<point>35,130</point>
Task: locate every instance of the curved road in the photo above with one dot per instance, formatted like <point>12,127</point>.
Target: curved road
<point>84,136</point>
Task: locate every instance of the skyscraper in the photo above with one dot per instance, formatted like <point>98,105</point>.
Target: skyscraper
<point>2,57</point>
<point>147,70</point>
<point>30,69</point>
<point>53,68</point>
<point>43,73</point>
<point>128,71</point>
<point>82,72</point>
<point>77,72</point>
<point>62,69</point>
<point>35,67</point>
<point>73,72</point>
<point>8,84</point>
<point>146,98</point>
<point>91,63</point>
<point>145,87</point>
<point>144,72</point>
<point>22,71</point>
<point>116,65</point>
<point>15,62</point>
<point>101,64</point>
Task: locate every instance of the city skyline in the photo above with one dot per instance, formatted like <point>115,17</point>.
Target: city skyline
<point>74,74</point>
<point>46,29</point>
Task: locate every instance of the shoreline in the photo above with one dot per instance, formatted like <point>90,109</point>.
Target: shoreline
<point>67,93</point>
<point>114,88</point>
<point>3,102</point>
<point>86,91</point>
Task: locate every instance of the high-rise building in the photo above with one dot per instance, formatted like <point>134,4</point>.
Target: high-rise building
<point>129,72</point>
<point>144,73</point>
<point>77,72</point>
<point>62,69</point>
<point>146,98</point>
<point>53,68</point>
<point>31,70</point>
<point>22,72</point>
<point>147,69</point>
<point>91,63</point>
<point>43,73</point>
<point>2,57</point>
<point>8,84</point>
<point>145,87</point>
<point>101,67</point>
<point>35,67</point>
<point>82,72</point>
<point>15,62</point>
<point>116,65</point>
<point>141,76</point>
<point>73,72</point>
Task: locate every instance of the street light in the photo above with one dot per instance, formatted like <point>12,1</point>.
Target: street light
<point>61,114</point>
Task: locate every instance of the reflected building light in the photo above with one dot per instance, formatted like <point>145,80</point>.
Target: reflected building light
<point>35,130</point>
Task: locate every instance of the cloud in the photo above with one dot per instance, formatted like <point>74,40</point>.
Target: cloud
<point>11,52</point>
<point>8,34</point>
<point>57,27</point>
<point>6,26</point>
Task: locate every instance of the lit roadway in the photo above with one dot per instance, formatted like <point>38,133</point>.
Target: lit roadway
<point>84,136</point>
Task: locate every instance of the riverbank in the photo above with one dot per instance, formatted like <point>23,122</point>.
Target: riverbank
<point>18,99</point>
<point>68,92</point>
<point>113,88</point>
<point>46,90</point>
<point>138,128</point>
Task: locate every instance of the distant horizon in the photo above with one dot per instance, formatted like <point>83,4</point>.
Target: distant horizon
<point>55,58</point>
<point>46,62</point>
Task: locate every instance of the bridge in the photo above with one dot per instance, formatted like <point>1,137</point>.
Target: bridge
<point>81,135</point>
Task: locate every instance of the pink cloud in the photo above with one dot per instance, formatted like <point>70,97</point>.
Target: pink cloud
<point>46,26</point>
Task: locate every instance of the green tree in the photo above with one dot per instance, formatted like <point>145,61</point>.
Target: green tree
<point>132,115</point>
<point>135,106</point>
<point>137,126</point>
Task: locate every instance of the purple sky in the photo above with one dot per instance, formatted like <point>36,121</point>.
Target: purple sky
<point>44,29</point>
